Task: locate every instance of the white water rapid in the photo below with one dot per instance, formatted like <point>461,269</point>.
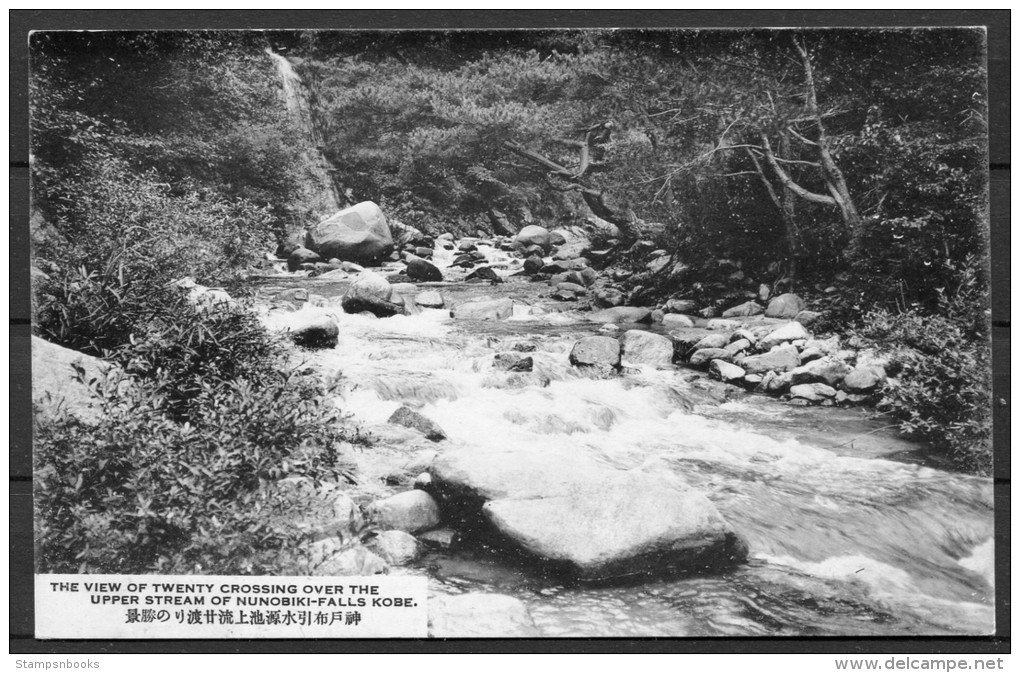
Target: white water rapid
<point>847,536</point>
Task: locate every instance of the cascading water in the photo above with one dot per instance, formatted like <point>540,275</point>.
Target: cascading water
<point>320,183</point>
<point>845,538</point>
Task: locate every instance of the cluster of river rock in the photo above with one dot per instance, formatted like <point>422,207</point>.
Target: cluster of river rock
<point>563,510</point>
<point>766,349</point>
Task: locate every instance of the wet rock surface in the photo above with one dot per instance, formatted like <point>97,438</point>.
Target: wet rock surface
<point>570,499</point>
<point>593,523</point>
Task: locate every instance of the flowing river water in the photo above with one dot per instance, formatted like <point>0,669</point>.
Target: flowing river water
<point>850,533</point>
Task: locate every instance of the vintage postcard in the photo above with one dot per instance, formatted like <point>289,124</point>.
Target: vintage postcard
<point>590,333</point>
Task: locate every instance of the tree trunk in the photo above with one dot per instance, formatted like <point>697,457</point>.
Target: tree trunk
<point>833,175</point>
<point>788,213</point>
<point>623,218</point>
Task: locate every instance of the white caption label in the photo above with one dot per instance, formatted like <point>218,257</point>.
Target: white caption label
<point>162,606</point>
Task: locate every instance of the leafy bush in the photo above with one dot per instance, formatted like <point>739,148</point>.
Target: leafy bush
<point>181,350</point>
<point>141,492</point>
<point>117,222</point>
<point>942,395</point>
<point>182,473</point>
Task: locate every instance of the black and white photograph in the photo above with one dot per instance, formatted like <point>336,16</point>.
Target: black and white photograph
<point>536,333</point>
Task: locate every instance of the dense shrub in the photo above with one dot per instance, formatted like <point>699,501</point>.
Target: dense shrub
<point>182,472</point>
<point>141,492</point>
<point>942,395</point>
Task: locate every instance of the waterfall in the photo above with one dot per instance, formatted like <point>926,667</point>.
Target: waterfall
<point>320,187</point>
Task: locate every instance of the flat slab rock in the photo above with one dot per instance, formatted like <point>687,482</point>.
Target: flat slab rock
<point>591,521</point>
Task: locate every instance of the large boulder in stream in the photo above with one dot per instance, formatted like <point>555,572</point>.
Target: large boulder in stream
<point>429,299</point>
<point>621,314</point>
<point>596,351</point>
<point>310,329</point>
<point>791,331</point>
<point>581,518</point>
<point>410,418</point>
<point>647,348</point>
<point>373,293</point>
<point>748,308</point>
<point>824,370</point>
<point>533,235</point>
<point>533,264</point>
<point>423,271</point>
<point>410,511</point>
<point>357,234</point>
<point>299,256</point>
<point>785,306</point>
<point>782,359</point>
<point>492,309</point>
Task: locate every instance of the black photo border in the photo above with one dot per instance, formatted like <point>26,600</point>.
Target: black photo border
<point>21,539</point>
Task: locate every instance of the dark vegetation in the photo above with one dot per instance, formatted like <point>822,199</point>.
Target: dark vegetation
<point>157,157</point>
<point>845,159</point>
<point>851,160</point>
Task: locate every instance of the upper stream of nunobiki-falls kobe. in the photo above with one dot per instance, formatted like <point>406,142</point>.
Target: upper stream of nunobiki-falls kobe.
<point>848,534</point>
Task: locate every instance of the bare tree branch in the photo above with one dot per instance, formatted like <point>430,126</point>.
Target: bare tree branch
<point>788,181</point>
<point>815,164</point>
<point>765,181</point>
<point>806,141</point>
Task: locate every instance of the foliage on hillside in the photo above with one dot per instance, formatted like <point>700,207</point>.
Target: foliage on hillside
<point>167,152</point>
<point>158,156</point>
<point>852,159</point>
<point>423,131</point>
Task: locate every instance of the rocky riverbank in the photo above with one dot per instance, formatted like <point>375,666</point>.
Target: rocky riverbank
<point>522,431</point>
<point>422,492</point>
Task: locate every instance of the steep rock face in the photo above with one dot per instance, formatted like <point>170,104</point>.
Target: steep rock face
<point>358,234</point>
<point>54,386</point>
<point>583,518</point>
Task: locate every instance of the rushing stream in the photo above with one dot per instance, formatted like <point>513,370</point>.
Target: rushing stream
<point>850,533</point>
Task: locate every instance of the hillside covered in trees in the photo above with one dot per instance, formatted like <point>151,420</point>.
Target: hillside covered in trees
<point>844,165</point>
<point>829,153</point>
